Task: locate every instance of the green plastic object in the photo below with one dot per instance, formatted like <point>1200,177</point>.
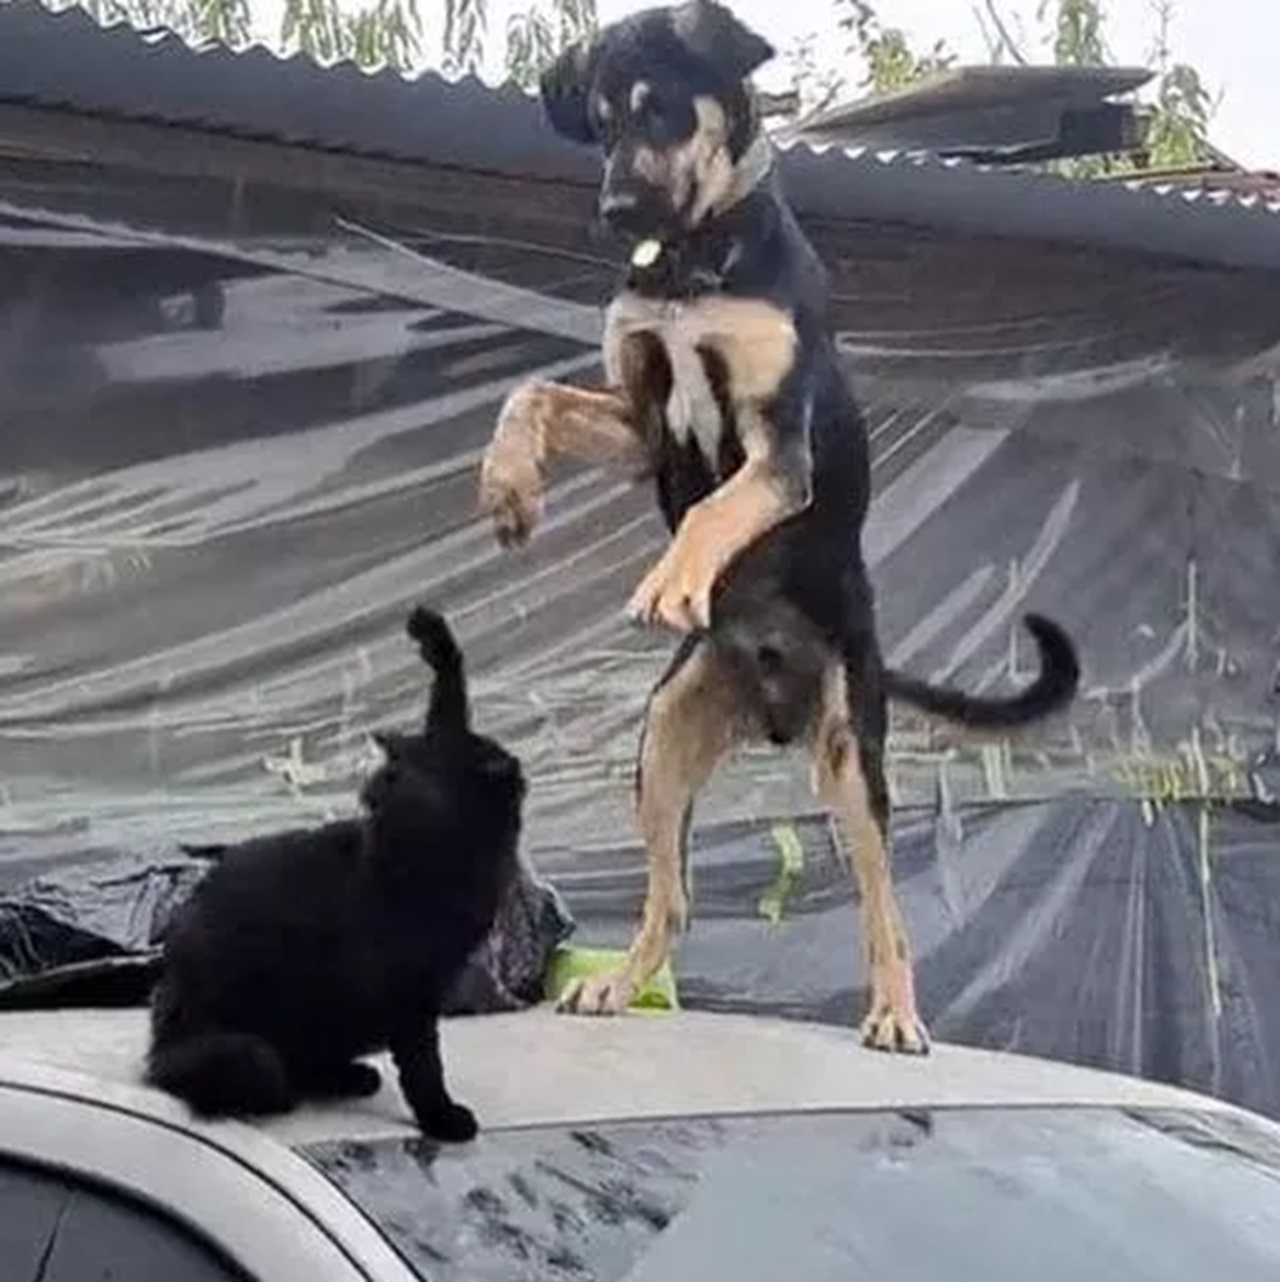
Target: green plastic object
<point>773,903</point>
<point>658,996</point>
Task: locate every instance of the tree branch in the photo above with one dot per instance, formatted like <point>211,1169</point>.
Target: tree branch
<point>997,20</point>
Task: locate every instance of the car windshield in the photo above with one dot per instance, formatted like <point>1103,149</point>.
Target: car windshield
<point>930,1196</point>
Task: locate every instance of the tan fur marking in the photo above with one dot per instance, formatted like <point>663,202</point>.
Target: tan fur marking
<point>693,722</point>
<point>892,1022</point>
<point>705,161</point>
<point>653,166</point>
<point>756,340</point>
<point>699,173</point>
<point>540,420</point>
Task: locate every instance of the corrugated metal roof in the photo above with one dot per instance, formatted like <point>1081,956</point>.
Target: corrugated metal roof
<point>1001,115</point>
<point>966,88</point>
<point>66,61</point>
<point>1237,183</point>
<point>1217,228</point>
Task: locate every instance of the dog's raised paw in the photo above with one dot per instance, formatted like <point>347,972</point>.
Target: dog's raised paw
<point>515,512</point>
<point>511,493</point>
<point>597,995</point>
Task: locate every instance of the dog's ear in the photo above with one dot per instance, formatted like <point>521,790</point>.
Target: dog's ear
<point>713,32</point>
<point>565,86</point>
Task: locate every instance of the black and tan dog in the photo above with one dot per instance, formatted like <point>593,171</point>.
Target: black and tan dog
<point>723,383</point>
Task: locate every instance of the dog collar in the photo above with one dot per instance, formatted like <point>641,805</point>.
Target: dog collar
<point>646,253</point>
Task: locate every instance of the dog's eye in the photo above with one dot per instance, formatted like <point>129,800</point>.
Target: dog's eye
<point>666,121</point>
<point>652,109</point>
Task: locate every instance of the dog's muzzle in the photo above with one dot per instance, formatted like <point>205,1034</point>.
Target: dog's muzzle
<point>633,212</point>
<point>628,205</point>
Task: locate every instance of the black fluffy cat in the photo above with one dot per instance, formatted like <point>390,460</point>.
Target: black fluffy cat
<point>303,950</point>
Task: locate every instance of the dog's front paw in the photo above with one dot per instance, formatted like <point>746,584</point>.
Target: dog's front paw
<point>597,995</point>
<point>450,1123</point>
<point>677,591</point>
<point>512,498</point>
<point>510,478</point>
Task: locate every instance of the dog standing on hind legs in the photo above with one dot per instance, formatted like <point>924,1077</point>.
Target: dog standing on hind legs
<point>723,383</point>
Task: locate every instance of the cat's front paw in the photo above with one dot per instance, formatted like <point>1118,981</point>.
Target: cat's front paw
<point>451,1123</point>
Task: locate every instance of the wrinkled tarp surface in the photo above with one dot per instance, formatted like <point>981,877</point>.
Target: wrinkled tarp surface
<point>92,936</point>
<point>235,452</point>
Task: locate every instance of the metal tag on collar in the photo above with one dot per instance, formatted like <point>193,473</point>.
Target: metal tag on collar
<point>646,253</point>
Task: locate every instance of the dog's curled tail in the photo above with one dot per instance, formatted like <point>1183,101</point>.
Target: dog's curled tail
<point>449,709</point>
<point>1053,688</point>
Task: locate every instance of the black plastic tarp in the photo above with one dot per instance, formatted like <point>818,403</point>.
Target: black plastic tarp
<point>239,432</point>
<point>91,934</point>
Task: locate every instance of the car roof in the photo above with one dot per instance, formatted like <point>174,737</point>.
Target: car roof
<point>540,1068</point>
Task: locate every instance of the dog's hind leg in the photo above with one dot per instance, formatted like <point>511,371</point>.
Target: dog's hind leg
<point>849,778</point>
<point>223,1074</point>
<point>695,717</point>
